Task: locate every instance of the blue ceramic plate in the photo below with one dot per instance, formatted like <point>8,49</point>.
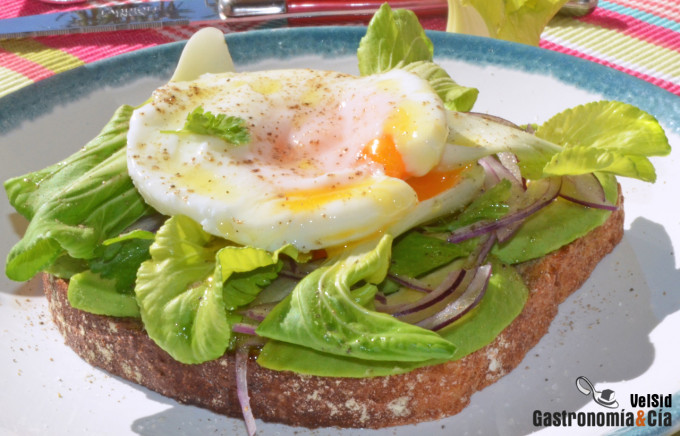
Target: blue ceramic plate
<point>619,330</point>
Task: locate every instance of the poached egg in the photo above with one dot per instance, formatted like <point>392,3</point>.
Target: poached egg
<point>332,158</point>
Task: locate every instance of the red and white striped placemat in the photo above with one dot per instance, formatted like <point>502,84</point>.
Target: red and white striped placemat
<point>639,37</point>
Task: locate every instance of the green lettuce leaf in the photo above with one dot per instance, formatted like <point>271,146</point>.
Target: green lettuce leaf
<point>185,291</point>
<point>248,271</point>
<point>119,258</point>
<point>584,160</point>
<point>512,20</point>
<point>321,313</point>
<point>607,136</point>
<point>74,208</point>
<point>66,266</point>
<point>182,307</point>
<point>503,302</point>
<point>477,137</point>
<point>107,287</point>
<point>93,293</point>
<point>394,38</point>
<point>490,206</point>
<point>416,254</point>
<point>29,192</point>
<point>101,203</point>
<point>284,356</point>
<point>455,97</point>
<point>136,235</point>
<point>554,226</point>
<point>607,125</point>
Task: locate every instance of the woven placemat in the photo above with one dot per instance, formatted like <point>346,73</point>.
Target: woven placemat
<point>639,37</point>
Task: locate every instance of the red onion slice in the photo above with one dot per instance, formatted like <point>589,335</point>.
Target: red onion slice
<point>432,302</point>
<point>259,312</point>
<point>470,298</point>
<point>505,168</point>
<point>509,162</point>
<point>297,271</point>
<point>551,188</point>
<point>505,233</point>
<point>497,171</point>
<point>485,248</point>
<point>380,299</point>
<point>506,159</point>
<point>585,190</point>
<point>242,353</point>
<point>490,169</point>
<point>291,269</point>
<point>246,329</point>
<point>410,283</point>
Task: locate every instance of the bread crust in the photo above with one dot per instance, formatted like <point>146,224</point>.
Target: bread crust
<point>121,347</point>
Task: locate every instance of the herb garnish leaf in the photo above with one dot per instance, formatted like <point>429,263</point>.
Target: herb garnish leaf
<point>226,127</point>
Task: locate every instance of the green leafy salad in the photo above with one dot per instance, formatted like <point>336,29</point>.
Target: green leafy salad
<point>512,20</point>
<point>381,305</point>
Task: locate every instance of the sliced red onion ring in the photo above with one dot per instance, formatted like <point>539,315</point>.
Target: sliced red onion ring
<point>497,169</point>
<point>259,312</point>
<point>509,162</point>
<point>548,194</point>
<point>246,329</point>
<point>470,298</point>
<point>408,282</point>
<point>509,171</point>
<point>242,353</point>
<point>380,298</point>
<point>485,249</point>
<point>432,302</point>
<point>291,269</point>
<point>496,172</point>
<point>297,271</point>
<point>489,166</point>
<point>585,190</point>
<point>506,232</point>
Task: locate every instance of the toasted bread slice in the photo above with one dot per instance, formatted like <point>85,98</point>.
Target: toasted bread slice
<point>121,347</point>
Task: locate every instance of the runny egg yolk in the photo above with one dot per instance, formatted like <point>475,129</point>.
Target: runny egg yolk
<point>435,182</point>
<point>309,199</point>
<point>383,151</point>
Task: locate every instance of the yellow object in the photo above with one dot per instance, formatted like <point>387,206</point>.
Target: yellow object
<point>512,20</point>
